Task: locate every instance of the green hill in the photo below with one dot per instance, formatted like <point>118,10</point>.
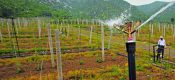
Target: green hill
<point>85,9</point>
<point>31,8</point>
<point>100,9</point>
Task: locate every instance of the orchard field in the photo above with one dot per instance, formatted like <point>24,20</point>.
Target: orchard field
<point>50,49</point>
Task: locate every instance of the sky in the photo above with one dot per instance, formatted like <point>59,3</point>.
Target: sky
<point>143,2</point>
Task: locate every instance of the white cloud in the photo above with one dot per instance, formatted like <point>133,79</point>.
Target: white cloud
<point>142,2</point>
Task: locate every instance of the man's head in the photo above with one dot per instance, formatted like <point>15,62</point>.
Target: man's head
<point>161,37</point>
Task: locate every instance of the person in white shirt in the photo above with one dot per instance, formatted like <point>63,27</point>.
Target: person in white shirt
<point>161,46</point>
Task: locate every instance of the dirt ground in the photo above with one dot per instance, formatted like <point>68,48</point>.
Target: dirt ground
<point>68,65</point>
<point>89,63</point>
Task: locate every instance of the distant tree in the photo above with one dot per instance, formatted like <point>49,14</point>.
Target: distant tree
<point>172,20</point>
<point>30,8</point>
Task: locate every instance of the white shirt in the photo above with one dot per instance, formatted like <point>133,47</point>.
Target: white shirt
<point>162,42</point>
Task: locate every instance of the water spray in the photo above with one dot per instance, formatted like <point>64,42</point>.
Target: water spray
<point>154,15</point>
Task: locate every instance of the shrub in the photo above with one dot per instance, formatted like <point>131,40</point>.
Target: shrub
<point>122,78</point>
<point>99,60</point>
<point>19,68</point>
<point>34,58</point>
<point>114,57</point>
<point>81,62</point>
<point>37,60</point>
<point>80,74</point>
<point>139,68</point>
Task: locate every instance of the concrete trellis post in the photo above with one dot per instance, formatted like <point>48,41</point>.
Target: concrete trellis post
<point>79,33</point>
<point>93,22</point>
<point>109,43</point>
<point>68,30</point>
<point>25,23</point>
<point>61,27</point>
<point>51,45</point>
<point>8,28</point>
<point>164,30</point>
<point>159,26</point>
<point>22,22</point>
<point>43,23</point>
<point>162,27</point>
<point>102,42</point>
<point>71,22</point>
<point>57,24</point>
<point>152,29</point>
<point>87,22</point>
<point>90,40</point>
<point>39,27</point>
<point>1,38</point>
<point>168,26</point>
<point>59,59</point>
<point>19,23</point>
<point>63,21</point>
<point>174,30</point>
<point>0,24</point>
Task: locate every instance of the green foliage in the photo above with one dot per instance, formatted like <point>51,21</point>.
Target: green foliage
<point>19,68</point>
<point>100,9</point>
<point>6,51</point>
<point>35,59</point>
<point>39,65</point>
<point>99,60</point>
<point>139,67</point>
<point>30,8</point>
<point>122,78</point>
<point>89,9</point>
<point>111,71</point>
<point>65,9</point>
<point>81,62</point>
<point>114,57</point>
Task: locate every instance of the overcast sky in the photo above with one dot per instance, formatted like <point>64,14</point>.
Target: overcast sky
<point>142,2</point>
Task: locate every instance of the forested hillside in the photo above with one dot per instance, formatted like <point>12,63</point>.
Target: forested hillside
<point>31,8</point>
<point>98,9</point>
<point>84,9</point>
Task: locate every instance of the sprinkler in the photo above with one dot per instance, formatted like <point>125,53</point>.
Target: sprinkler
<point>131,48</point>
<point>131,44</point>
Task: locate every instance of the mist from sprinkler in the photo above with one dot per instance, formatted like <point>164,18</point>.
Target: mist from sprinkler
<point>118,21</point>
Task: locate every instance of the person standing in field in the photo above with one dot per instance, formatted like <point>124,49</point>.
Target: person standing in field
<point>161,47</point>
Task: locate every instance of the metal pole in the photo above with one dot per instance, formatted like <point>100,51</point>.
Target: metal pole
<point>154,57</point>
<point>14,32</point>
<point>131,47</point>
